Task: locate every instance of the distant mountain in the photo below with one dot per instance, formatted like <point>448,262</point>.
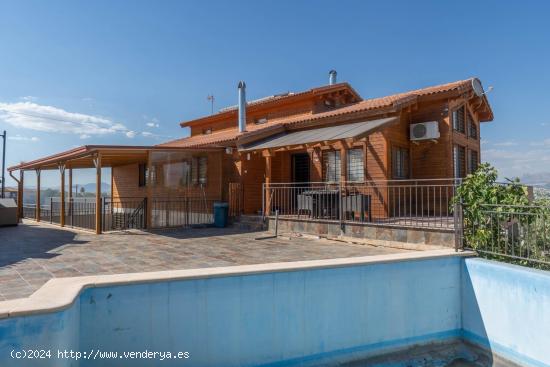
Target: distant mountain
<point>541,179</point>
<point>90,187</point>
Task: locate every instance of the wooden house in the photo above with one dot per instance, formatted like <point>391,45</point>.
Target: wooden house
<point>328,134</point>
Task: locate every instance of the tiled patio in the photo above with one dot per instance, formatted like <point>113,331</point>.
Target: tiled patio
<point>32,253</point>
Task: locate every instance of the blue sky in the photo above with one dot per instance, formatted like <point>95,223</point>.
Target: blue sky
<point>128,72</point>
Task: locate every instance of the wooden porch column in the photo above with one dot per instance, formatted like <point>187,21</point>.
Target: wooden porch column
<point>71,194</point>
<point>97,164</point>
<point>343,164</point>
<point>62,194</point>
<point>70,183</point>
<point>37,211</point>
<point>20,195</point>
<point>268,165</point>
<point>149,189</point>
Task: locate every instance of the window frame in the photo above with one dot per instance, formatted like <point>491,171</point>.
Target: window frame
<point>358,171</point>
<point>460,128</point>
<point>457,148</point>
<point>470,160</point>
<point>471,126</point>
<point>142,174</point>
<point>404,161</point>
<point>337,165</point>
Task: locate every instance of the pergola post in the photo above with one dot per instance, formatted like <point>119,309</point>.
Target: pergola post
<point>71,194</point>
<point>97,164</point>
<point>20,194</point>
<point>343,164</point>
<point>268,171</point>
<point>37,211</point>
<point>149,191</point>
<point>62,195</point>
<point>70,183</point>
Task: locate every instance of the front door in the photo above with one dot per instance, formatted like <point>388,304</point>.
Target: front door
<point>300,167</point>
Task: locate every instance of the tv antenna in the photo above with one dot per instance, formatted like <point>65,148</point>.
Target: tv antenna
<point>211,99</point>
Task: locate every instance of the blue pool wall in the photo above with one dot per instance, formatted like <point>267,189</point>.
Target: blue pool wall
<point>301,317</point>
<point>506,308</point>
<point>42,332</point>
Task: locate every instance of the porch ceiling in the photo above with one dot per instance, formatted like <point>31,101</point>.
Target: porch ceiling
<point>83,157</point>
<point>355,130</point>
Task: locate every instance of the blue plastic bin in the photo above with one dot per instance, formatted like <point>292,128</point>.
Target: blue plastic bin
<point>220,214</point>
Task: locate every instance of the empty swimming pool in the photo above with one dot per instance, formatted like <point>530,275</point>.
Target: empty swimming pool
<point>350,312</point>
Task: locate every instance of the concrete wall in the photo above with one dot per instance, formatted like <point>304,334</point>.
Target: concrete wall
<point>270,318</point>
<point>301,317</point>
<point>506,308</point>
<point>45,332</point>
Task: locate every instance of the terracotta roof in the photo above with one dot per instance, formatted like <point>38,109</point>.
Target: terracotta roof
<point>393,101</point>
<point>251,105</point>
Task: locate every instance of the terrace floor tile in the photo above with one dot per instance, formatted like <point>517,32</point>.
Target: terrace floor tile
<point>33,253</point>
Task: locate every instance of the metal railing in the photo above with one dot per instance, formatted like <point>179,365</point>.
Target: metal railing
<point>518,233</point>
<point>411,203</point>
<point>123,213</point>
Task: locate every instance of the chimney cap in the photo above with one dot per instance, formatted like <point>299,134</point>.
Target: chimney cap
<point>332,72</point>
<point>242,84</point>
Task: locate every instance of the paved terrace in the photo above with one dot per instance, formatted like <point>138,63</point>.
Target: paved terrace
<point>32,253</point>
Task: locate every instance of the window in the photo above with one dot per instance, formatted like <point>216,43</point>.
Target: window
<point>458,119</point>
<point>472,128</point>
<point>459,161</point>
<point>331,165</point>
<point>355,165</point>
<point>473,158</point>
<point>203,161</point>
<point>199,170</point>
<point>400,162</point>
<point>142,169</point>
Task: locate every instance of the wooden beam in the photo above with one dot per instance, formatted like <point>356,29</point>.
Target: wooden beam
<point>268,164</point>
<point>37,211</point>
<point>71,194</point>
<point>70,183</point>
<point>343,163</point>
<point>20,187</point>
<point>149,190</point>
<point>97,164</point>
<point>62,195</point>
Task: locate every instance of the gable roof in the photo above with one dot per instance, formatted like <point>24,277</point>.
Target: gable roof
<point>392,102</point>
<point>274,100</point>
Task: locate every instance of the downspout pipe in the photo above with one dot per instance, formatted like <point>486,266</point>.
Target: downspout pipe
<point>242,106</point>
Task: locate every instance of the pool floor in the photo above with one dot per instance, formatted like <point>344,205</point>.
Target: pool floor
<point>448,354</point>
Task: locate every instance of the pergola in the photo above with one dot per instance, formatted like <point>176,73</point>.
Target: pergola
<point>87,156</point>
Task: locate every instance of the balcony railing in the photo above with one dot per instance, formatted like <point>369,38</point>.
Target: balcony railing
<point>515,233</point>
<point>126,212</point>
<point>411,203</point>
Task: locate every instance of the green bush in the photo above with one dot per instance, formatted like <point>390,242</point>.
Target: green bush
<point>499,218</point>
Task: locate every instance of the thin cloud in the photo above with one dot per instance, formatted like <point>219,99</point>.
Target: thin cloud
<point>131,134</point>
<point>23,138</point>
<point>32,116</point>
<point>153,121</point>
<point>506,144</point>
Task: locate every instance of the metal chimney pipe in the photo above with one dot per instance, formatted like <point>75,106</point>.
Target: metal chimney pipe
<point>242,107</point>
<point>332,77</point>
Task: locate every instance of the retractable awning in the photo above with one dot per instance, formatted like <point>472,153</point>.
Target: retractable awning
<point>355,130</point>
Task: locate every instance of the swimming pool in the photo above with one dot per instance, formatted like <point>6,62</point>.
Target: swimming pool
<point>312,313</point>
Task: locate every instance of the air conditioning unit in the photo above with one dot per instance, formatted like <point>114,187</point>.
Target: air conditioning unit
<point>425,131</point>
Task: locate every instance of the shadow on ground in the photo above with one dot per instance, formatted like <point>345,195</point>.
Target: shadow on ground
<point>32,241</point>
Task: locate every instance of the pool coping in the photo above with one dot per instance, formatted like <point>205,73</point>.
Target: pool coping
<point>60,293</point>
